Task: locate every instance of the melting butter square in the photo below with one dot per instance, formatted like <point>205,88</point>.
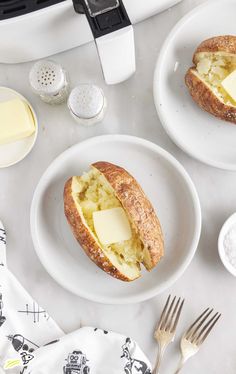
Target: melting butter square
<point>112,226</point>
<point>229,84</point>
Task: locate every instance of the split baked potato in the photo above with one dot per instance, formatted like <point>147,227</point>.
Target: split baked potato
<point>213,60</point>
<point>107,186</point>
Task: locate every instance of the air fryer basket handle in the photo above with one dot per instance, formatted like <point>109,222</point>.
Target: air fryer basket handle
<point>114,37</point>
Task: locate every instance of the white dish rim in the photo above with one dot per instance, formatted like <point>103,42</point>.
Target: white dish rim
<point>35,135</point>
<point>197,216</point>
<point>228,223</point>
<point>157,93</point>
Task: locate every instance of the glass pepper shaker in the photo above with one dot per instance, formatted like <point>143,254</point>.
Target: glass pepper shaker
<point>49,80</point>
<point>87,104</point>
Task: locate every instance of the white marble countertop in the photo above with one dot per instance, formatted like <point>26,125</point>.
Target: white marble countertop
<point>131,111</point>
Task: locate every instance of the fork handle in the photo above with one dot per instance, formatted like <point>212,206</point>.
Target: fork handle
<point>160,355</point>
<point>180,366</point>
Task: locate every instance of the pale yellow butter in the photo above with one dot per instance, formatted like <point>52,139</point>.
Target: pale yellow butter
<point>16,121</point>
<point>111,226</point>
<point>229,84</point>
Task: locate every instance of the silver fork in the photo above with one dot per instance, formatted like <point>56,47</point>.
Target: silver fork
<point>166,327</point>
<point>196,335</point>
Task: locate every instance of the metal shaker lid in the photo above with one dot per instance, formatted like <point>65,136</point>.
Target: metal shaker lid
<point>86,101</point>
<point>47,77</point>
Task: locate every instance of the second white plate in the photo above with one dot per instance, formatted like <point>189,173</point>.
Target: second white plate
<point>201,135</point>
<point>166,184</point>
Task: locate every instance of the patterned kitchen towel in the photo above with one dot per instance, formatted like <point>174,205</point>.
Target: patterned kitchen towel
<point>24,326</point>
<point>90,350</point>
<point>32,343</point>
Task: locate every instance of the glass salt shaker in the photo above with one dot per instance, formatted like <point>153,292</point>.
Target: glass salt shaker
<point>49,80</point>
<point>87,104</point>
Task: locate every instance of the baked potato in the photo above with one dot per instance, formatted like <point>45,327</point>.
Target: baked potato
<point>107,186</point>
<point>213,60</point>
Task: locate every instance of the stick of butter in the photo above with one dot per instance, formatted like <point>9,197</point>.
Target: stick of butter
<point>229,84</point>
<point>16,121</point>
<point>111,226</point>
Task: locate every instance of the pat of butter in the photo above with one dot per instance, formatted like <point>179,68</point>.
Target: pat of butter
<point>16,121</point>
<point>229,84</point>
<point>111,226</point>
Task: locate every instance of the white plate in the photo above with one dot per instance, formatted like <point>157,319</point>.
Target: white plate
<point>12,153</point>
<point>165,182</point>
<point>198,133</point>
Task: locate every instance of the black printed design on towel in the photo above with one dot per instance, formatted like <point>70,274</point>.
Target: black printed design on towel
<point>133,366</point>
<point>2,236</point>
<point>53,342</point>
<point>76,364</point>
<point>35,312</point>
<point>24,347</point>
<point>26,357</point>
<point>21,344</point>
<point>104,331</point>
<point>2,317</point>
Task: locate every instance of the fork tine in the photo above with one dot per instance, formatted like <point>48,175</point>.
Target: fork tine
<point>173,314</point>
<point>205,331</point>
<point>166,317</point>
<point>189,332</point>
<point>177,315</point>
<point>196,330</point>
<point>163,312</point>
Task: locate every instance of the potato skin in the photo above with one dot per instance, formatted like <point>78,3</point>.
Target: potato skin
<point>138,208</point>
<point>206,99</point>
<point>84,237</point>
<point>224,44</point>
<point>199,90</point>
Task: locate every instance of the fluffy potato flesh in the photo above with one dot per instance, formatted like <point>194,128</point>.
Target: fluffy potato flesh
<point>213,68</point>
<point>92,193</point>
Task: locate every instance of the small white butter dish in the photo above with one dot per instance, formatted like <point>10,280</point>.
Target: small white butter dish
<point>11,153</point>
<point>227,244</point>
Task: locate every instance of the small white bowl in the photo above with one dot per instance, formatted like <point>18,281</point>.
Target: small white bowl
<point>11,153</point>
<point>223,232</point>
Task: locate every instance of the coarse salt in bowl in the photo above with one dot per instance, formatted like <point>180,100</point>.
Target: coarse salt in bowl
<point>227,244</point>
